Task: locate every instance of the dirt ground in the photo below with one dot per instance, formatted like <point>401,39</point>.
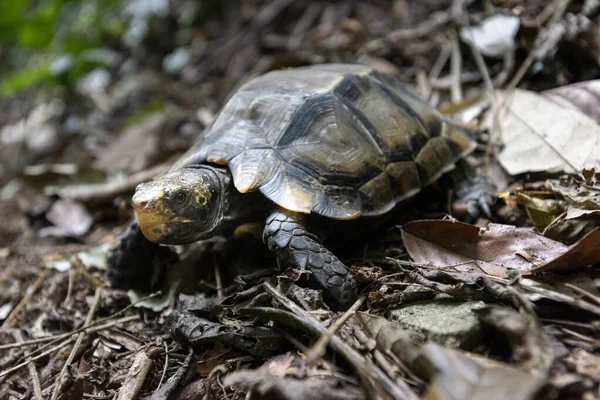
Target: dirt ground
<point>71,155</point>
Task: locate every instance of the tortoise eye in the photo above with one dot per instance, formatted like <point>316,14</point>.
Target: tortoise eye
<point>180,198</point>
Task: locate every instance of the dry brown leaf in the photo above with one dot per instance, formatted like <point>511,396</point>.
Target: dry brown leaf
<point>551,217</point>
<point>584,363</point>
<point>461,375</point>
<point>585,96</point>
<point>542,212</point>
<point>542,135</point>
<point>529,343</point>
<point>452,374</point>
<point>494,250</point>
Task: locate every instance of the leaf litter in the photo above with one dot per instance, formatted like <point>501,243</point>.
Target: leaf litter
<point>251,331</point>
<point>496,250</point>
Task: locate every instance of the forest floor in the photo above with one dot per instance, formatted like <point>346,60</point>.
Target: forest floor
<point>509,306</point>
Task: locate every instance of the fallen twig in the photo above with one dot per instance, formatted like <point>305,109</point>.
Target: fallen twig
<point>136,377</point>
<point>35,380</point>
<point>93,328</point>
<point>37,357</point>
<point>318,349</point>
<point>103,192</point>
<point>29,293</point>
<point>372,376</point>
<point>176,379</point>
<point>439,64</point>
<point>80,336</point>
<point>164,373</point>
<point>455,70</point>
<point>584,293</point>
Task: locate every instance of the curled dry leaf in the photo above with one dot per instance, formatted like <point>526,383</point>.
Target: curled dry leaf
<point>541,135</point>
<point>584,363</point>
<point>199,332</point>
<point>274,380</point>
<point>529,343</point>
<point>549,216</point>
<point>582,198</point>
<point>551,287</point>
<point>461,375</point>
<point>494,250</point>
<point>70,218</point>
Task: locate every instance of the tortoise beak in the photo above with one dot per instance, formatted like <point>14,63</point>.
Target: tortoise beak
<point>148,214</point>
<point>146,195</point>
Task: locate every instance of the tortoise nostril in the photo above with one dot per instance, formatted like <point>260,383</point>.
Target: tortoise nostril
<point>140,203</point>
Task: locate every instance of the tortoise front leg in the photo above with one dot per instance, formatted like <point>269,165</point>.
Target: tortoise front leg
<point>137,263</point>
<point>295,247</point>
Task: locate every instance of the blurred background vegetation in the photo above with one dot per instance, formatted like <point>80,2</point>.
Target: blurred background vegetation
<point>49,42</point>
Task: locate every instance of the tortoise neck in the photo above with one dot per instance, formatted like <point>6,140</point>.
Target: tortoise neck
<point>239,208</point>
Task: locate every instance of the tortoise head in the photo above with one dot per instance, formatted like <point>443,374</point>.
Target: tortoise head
<point>180,207</point>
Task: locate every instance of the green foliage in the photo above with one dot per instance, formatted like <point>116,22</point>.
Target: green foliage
<point>25,78</point>
<point>49,29</point>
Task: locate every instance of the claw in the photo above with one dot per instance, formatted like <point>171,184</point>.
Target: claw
<point>473,211</point>
<point>484,205</point>
<point>478,194</point>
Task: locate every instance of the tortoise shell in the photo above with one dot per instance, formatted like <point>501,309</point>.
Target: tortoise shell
<point>338,140</point>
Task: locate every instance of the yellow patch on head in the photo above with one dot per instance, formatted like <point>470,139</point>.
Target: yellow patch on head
<point>202,193</point>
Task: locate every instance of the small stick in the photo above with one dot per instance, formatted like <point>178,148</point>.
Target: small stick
<point>162,377</point>
<point>135,377</point>
<point>106,191</point>
<point>37,390</point>
<point>455,69</point>
<point>30,292</point>
<point>67,299</point>
<point>49,351</point>
<point>82,329</point>
<point>584,293</point>
<point>368,371</point>
<point>80,336</point>
<point>177,378</point>
<point>491,94</point>
<point>581,336</point>
<point>319,348</point>
<point>93,328</point>
<point>218,282</point>
<point>423,87</point>
<point>439,64</point>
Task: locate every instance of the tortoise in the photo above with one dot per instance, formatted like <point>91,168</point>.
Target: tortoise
<point>330,141</point>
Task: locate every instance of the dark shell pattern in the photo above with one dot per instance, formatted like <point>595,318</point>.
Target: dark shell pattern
<point>338,140</point>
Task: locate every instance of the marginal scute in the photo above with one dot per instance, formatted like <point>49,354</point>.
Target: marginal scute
<point>338,202</point>
<point>379,193</point>
<point>436,157</point>
<point>404,177</point>
<point>288,191</point>
<point>342,141</point>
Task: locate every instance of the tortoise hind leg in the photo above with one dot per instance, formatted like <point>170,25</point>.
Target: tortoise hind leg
<point>473,190</point>
<point>295,247</point>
